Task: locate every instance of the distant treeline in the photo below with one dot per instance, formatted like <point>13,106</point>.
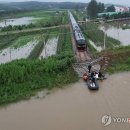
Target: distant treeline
<point>117,16</point>
<point>14,7</point>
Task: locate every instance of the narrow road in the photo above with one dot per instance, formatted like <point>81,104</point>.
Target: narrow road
<point>32,30</point>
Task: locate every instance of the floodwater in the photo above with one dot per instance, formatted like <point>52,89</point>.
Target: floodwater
<point>72,108</point>
<point>118,33</point>
<point>9,54</point>
<point>50,48</point>
<point>17,21</point>
<point>98,48</point>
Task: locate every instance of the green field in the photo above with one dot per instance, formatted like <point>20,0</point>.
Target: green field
<point>119,59</point>
<point>21,38</point>
<point>21,41</point>
<point>43,19</point>
<point>21,79</point>
<point>64,42</point>
<point>79,15</point>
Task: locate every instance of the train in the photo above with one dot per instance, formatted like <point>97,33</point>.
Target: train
<point>79,38</point>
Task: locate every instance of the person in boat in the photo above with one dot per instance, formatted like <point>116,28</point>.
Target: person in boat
<point>96,75</point>
<point>92,78</point>
<point>92,75</point>
<point>89,68</point>
<point>100,75</point>
<point>85,77</point>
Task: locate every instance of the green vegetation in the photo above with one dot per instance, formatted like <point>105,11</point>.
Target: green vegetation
<point>90,47</point>
<point>126,27</point>
<point>64,43</point>
<point>21,41</point>
<point>39,47</point>
<point>43,19</point>
<point>21,38</point>
<point>20,79</point>
<point>79,15</point>
<point>15,40</point>
<point>111,8</point>
<point>15,7</point>
<point>65,18</point>
<point>119,59</point>
<point>97,36</point>
<point>7,40</point>
<point>94,7</point>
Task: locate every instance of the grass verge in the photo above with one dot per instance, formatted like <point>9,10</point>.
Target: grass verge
<point>20,79</point>
<point>119,59</point>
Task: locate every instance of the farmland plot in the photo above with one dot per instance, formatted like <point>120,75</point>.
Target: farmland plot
<point>12,53</point>
<point>50,48</point>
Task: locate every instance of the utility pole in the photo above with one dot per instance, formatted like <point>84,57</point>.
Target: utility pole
<point>45,46</point>
<point>104,39</point>
<point>10,53</point>
<point>105,28</point>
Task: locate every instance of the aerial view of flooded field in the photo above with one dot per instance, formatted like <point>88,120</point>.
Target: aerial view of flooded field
<point>65,65</point>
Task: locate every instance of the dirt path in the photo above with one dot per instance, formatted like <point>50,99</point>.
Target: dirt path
<point>32,30</point>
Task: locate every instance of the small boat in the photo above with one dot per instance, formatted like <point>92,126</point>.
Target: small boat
<point>93,85</point>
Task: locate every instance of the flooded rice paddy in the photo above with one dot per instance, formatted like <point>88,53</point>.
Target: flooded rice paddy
<point>72,108</point>
<point>17,21</point>
<point>50,48</point>
<point>118,33</point>
<point>10,53</point>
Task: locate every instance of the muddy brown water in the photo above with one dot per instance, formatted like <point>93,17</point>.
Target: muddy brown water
<point>72,108</point>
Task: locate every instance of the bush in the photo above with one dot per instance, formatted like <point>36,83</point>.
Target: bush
<point>19,79</point>
<point>128,60</point>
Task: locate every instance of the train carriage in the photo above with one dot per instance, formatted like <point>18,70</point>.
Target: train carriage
<point>79,38</point>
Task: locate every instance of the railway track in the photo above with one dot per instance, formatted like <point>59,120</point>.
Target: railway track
<point>83,57</point>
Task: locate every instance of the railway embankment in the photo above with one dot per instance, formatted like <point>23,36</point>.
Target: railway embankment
<point>116,59</point>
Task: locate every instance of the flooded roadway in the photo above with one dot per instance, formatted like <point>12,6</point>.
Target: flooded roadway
<point>72,108</point>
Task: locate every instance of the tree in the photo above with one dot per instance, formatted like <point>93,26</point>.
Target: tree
<point>111,9</point>
<point>94,7</point>
<point>101,7</point>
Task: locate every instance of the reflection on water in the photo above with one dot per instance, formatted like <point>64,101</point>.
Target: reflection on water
<point>72,108</point>
<point>50,48</point>
<point>118,33</point>
<point>9,54</point>
<point>17,21</point>
<point>98,48</point>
